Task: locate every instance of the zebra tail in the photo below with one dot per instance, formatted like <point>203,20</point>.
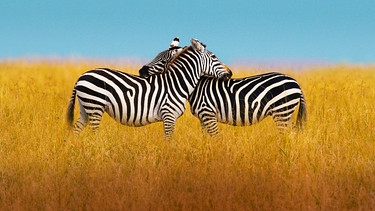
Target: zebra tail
<point>302,112</point>
<point>70,110</point>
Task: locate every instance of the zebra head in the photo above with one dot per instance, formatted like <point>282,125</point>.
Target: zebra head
<point>210,64</point>
<point>160,62</point>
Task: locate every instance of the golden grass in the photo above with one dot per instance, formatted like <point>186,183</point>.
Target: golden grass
<point>43,166</point>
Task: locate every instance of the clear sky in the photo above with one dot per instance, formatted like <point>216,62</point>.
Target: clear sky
<point>237,30</point>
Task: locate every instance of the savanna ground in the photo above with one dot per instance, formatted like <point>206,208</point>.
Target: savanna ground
<point>330,165</point>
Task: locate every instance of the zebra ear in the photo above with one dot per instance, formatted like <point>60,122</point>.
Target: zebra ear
<point>197,45</point>
<point>174,43</point>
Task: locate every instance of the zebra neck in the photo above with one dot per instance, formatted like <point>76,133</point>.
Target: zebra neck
<point>184,81</point>
<point>185,71</point>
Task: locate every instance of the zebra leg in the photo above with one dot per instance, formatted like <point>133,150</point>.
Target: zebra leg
<point>94,120</point>
<point>283,117</point>
<point>203,127</point>
<point>209,123</point>
<point>82,119</point>
<point>169,124</point>
<point>282,122</point>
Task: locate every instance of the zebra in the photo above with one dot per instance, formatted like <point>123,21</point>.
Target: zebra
<point>155,65</point>
<point>245,101</point>
<point>135,101</point>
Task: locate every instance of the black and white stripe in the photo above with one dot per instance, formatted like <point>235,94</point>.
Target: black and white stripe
<point>136,101</point>
<point>159,63</point>
<point>246,101</point>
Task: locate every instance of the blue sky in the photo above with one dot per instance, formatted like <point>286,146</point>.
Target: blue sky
<point>237,30</point>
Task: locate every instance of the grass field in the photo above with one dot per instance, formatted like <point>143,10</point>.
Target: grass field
<point>328,166</point>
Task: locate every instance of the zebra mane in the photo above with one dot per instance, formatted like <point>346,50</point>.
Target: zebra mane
<point>178,55</point>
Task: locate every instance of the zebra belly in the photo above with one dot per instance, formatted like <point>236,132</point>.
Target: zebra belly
<point>136,113</point>
<point>231,119</point>
<point>246,115</point>
<point>127,111</point>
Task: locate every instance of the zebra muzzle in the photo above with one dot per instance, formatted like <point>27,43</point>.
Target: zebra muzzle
<point>144,72</point>
<point>226,76</point>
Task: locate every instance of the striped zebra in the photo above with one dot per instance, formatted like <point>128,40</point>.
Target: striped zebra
<point>159,63</point>
<point>245,101</point>
<point>136,101</point>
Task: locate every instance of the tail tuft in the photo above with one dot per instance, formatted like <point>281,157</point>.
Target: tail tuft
<point>302,113</point>
<point>70,110</point>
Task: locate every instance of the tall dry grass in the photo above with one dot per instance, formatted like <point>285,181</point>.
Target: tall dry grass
<point>328,166</point>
